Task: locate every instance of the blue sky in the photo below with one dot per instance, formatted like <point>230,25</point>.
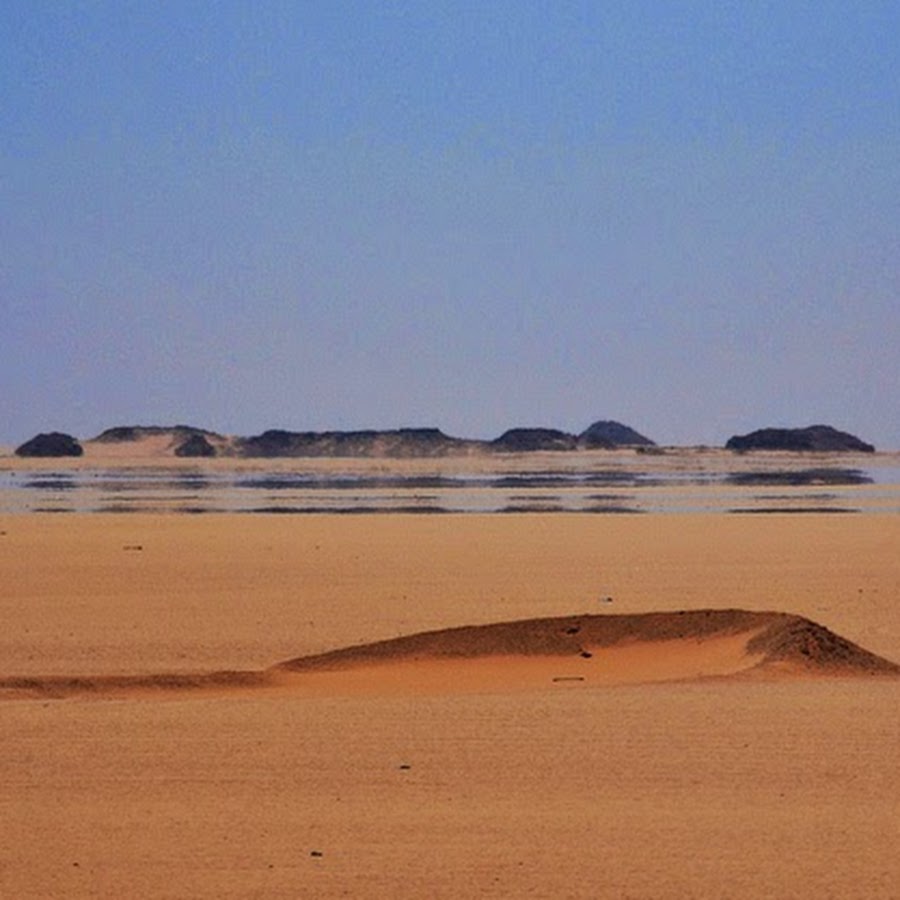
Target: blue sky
<point>473,215</point>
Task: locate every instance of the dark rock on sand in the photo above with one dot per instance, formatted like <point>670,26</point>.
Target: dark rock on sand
<point>607,434</point>
<point>195,445</point>
<point>401,442</point>
<point>123,433</point>
<point>815,438</point>
<point>184,440</point>
<point>526,440</point>
<point>54,443</point>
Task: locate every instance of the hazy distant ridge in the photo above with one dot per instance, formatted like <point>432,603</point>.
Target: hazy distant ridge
<point>191,441</point>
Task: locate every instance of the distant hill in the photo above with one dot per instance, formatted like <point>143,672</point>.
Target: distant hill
<point>189,441</point>
<point>609,434</point>
<point>527,440</point>
<point>51,444</point>
<point>138,432</point>
<point>814,438</point>
<point>401,442</point>
<point>196,445</point>
<point>178,440</point>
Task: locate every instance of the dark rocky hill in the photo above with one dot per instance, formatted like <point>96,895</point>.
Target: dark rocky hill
<point>525,440</point>
<point>190,441</point>
<point>122,433</point>
<point>814,438</point>
<point>607,434</point>
<point>401,442</point>
<point>184,440</point>
<point>54,443</point>
<point>197,445</point>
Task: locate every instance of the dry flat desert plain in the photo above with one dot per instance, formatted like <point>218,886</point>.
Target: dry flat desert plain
<point>168,727</point>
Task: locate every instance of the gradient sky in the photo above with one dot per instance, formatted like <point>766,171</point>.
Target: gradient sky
<point>472,215</point>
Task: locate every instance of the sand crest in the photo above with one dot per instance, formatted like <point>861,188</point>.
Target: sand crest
<point>525,655</point>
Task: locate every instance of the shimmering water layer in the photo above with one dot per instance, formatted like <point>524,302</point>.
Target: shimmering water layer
<point>623,485</point>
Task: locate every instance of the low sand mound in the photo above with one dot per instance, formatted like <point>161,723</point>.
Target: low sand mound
<point>528,654</point>
<point>602,649</point>
<point>558,636</point>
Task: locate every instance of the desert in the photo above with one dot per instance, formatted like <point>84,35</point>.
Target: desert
<point>390,704</point>
<point>449,450</point>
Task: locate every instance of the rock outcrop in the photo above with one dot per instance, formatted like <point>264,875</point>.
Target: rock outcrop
<point>607,434</point>
<point>399,443</point>
<point>54,443</point>
<point>177,440</point>
<point>195,445</point>
<point>528,440</point>
<point>815,438</point>
<point>189,441</point>
<point>123,433</point>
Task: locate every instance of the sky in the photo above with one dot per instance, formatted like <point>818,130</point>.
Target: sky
<point>472,215</point>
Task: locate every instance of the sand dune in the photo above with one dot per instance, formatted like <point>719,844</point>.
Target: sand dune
<point>768,638</point>
<point>527,654</point>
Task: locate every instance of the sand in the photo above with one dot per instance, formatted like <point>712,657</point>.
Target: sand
<point>488,777</point>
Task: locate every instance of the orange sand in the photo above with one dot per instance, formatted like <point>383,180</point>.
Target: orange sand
<point>497,787</point>
<point>633,663</point>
